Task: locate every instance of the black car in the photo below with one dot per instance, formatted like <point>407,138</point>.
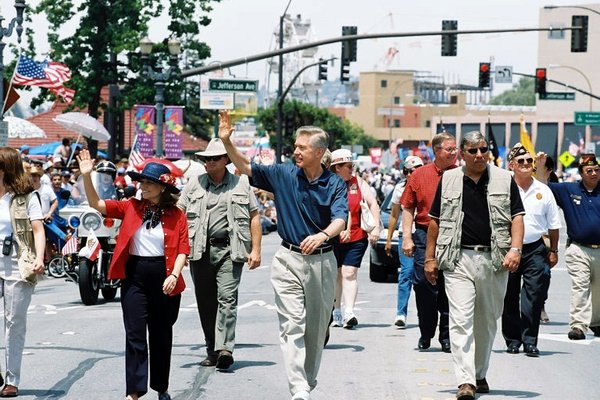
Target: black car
<point>383,268</point>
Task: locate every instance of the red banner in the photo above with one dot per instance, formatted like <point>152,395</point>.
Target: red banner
<point>173,128</point>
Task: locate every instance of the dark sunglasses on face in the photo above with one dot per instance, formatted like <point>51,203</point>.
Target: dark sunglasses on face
<point>521,161</point>
<point>483,150</point>
<point>213,158</point>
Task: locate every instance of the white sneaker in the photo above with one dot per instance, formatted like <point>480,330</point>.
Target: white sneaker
<point>337,318</point>
<point>301,395</point>
<point>350,320</point>
<point>400,321</point>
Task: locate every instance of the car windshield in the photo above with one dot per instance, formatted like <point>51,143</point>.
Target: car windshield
<point>104,187</point>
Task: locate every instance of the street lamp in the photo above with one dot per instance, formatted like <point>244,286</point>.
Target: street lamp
<point>160,77</point>
<point>588,128</point>
<point>279,147</point>
<point>579,7</point>
<point>6,32</point>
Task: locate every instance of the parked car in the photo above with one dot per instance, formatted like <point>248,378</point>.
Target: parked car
<point>383,268</point>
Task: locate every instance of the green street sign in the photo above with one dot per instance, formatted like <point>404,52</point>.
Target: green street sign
<point>558,96</point>
<point>232,85</point>
<point>587,118</point>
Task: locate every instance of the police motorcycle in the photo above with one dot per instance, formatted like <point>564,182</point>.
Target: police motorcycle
<point>88,266</point>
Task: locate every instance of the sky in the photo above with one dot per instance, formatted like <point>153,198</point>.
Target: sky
<point>245,27</point>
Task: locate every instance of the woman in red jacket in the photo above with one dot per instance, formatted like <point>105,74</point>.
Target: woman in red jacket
<point>150,253</point>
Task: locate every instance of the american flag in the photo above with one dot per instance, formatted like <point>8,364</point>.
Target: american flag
<point>48,74</point>
<point>135,156</point>
<point>71,246</point>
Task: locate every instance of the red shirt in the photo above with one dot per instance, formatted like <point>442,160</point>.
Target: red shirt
<point>420,191</point>
<point>354,197</point>
<point>175,228</point>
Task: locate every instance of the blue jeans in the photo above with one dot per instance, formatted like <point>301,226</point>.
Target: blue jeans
<point>405,279</point>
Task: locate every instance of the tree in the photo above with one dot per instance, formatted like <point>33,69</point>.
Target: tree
<point>522,94</point>
<point>341,132</point>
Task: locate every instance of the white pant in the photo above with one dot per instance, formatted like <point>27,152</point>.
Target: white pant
<point>475,299</point>
<point>304,290</point>
<point>17,296</point>
<point>583,264</point>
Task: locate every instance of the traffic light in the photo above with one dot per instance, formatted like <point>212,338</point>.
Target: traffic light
<point>349,46</point>
<point>322,70</point>
<point>540,81</point>
<point>449,39</point>
<point>484,75</point>
<point>344,71</point>
<point>579,36</point>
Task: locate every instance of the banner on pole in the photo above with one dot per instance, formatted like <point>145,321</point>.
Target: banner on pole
<point>145,129</point>
<point>173,132</point>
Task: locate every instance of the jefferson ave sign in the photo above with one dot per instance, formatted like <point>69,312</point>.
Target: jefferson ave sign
<point>232,85</point>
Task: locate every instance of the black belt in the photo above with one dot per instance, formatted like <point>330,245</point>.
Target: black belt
<point>477,247</point>
<point>591,246</point>
<point>533,245</point>
<point>421,227</point>
<point>296,249</point>
<point>223,240</point>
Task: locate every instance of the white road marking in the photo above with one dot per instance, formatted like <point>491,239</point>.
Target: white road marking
<point>259,303</point>
<point>562,337</point>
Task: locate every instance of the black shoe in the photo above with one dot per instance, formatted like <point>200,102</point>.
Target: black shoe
<point>482,386</point>
<point>576,334</point>
<point>446,346</point>
<point>164,396</point>
<point>531,350</point>
<point>596,330</point>
<point>224,360</point>
<point>424,344</point>
<point>209,361</point>
<point>513,349</point>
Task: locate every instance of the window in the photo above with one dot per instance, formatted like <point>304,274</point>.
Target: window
<point>383,83</point>
<point>396,123</point>
<point>396,99</point>
<point>453,99</point>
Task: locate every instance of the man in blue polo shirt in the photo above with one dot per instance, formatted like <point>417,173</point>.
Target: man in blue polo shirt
<point>580,202</point>
<point>312,208</point>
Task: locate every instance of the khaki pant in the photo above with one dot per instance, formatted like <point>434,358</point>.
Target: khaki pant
<point>475,298</point>
<point>304,291</point>
<point>583,264</point>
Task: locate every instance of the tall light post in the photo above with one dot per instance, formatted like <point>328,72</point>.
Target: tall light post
<point>6,32</point>
<point>159,77</point>
<point>588,128</point>
<point>279,148</point>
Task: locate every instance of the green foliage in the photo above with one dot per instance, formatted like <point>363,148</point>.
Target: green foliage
<point>522,94</point>
<point>341,132</point>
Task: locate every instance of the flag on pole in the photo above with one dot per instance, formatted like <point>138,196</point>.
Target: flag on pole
<point>493,145</point>
<point>49,74</point>
<point>135,156</point>
<point>71,246</point>
<point>92,247</point>
<point>525,139</point>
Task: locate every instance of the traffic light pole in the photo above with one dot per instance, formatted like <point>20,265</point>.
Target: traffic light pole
<point>561,84</point>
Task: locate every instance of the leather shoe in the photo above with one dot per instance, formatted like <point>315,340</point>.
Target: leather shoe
<point>164,396</point>
<point>209,361</point>
<point>446,346</point>
<point>9,391</point>
<point>513,349</point>
<point>466,391</point>
<point>424,344</point>
<point>576,334</point>
<point>531,350</point>
<point>482,386</point>
<point>225,359</point>
<point>596,330</point>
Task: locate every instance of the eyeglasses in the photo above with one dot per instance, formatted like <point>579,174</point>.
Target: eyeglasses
<point>521,161</point>
<point>450,150</point>
<point>592,171</point>
<point>474,151</point>
<point>209,158</point>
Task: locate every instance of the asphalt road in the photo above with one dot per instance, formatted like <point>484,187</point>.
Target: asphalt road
<point>76,352</point>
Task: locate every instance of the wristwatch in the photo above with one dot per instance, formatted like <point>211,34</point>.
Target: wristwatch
<point>518,250</point>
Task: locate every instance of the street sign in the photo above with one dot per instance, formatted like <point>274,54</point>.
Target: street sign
<point>587,118</point>
<point>558,96</point>
<point>232,85</point>
<point>566,159</point>
<point>503,74</point>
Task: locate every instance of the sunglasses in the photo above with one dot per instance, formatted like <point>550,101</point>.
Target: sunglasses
<point>521,161</point>
<point>592,171</point>
<point>474,151</point>
<point>210,158</point>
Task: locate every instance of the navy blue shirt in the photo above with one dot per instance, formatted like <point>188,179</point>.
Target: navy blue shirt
<point>303,208</point>
<point>581,209</point>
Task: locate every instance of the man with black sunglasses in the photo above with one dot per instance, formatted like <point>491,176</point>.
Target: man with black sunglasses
<point>225,232</point>
<point>475,237</point>
<point>580,202</point>
<point>523,303</point>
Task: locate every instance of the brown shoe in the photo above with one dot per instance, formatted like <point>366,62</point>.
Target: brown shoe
<point>9,391</point>
<point>466,391</point>
<point>482,386</point>
<point>225,359</point>
<point>209,361</point>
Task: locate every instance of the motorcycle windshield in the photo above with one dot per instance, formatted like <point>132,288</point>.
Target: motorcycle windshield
<point>103,183</point>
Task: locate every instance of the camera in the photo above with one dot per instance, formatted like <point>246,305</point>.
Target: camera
<point>7,245</point>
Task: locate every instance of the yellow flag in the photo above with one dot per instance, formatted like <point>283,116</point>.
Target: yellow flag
<point>525,140</point>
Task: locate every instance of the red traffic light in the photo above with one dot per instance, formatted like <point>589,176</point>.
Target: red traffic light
<point>540,73</point>
<point>484,67</point>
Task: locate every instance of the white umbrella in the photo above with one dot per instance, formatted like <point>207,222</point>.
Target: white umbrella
<point>23,129</point>
<point>190,168</point>
<point>83,124</point>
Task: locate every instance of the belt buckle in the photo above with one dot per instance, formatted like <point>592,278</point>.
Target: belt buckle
<point>595,246</point>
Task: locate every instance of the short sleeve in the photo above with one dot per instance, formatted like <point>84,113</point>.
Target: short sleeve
<point>34,208</point>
